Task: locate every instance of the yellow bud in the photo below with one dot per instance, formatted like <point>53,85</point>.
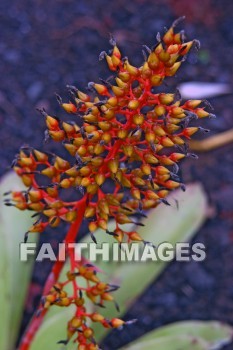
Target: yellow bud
<point>49,172</point>
<point>35,196</point>
<point>133,104</point>
<point>124,76</point>
<point>150,136</point>
<point>50,212</point>
<point>69,129</point>
<point>115,60</point>
<point>201,113</point>
<point>177,156</point>
<point>41,157</point>
<point>98,149</point>
<point>138,181</point>
<point>61,164</point>
<point>73,172</point>
<point>158,130</point>
<point>119,92</point>
<point>146,169</point>
<point>112,101</point>
<point>97,161</point>
<point>177,140</point>
<point>70,148</point>
<point>107,296</point>
<point>82,96</point>
<point>85,181</point>
<point>136,193</point>
<point>153,61</point>
<point>134,236</point>
<point>113,165</point>
<point>71,216</point>
<point>89,212</point>
<point>168,37</point>
<point>146,71</point>
<point>88,333</point>
<point>97,317</point>
<point>190,131</point>
<point>116,322</point>
<point>66,183</point>
<point>36,206</point>
<point>85,171</point>
<point>193,103</point>
<point>160,110</point>
<point>101,89</point>
<point>57,135</point>
<point>151,195</point>
<point>161,170</point>
<point>170,71</point>
<point>138,119</point>
<point>128,150</point>
<point>185,48</point>
<point>54,222</point>
<point>166,99</point>
<point>121,84</point>
<point>156,80</point>
<point>76,322</point>
<point>166,142</point>
<point>69,107</point>
<point>90,118</point>
<point>131,69</point>
<point>149,158</point>
<point>122,134</point>
<point>92,226</point>
<point>92,188</point>
<point>102,224</point>
<point>123,219</point>
<point>52,123</point>
<point>99,179</point>
<point>164,56</point>
<point>172,184</point>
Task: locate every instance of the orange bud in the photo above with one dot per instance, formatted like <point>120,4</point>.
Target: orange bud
<point>134,236</point>
<point>92,226</point>
<point>116,322</point>
<point>69,107</point>
<point>57,135</point>
<point>52,123</point>
<point>101,89</point>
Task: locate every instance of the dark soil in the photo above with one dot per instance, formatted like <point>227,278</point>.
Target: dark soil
<point>46,45</point>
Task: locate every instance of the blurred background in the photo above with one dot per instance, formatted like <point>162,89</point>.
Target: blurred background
<point>46,45</point>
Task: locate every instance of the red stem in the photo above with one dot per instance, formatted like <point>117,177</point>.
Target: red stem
<point>53,278</point>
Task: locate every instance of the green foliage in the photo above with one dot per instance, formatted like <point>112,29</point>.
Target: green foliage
<point>188,335</point>
<point>14,274</point>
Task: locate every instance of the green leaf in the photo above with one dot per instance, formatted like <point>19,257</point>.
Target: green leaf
<point>171,343</point>
<point>188,335</point>
<point>163,224</point>
<point>14,274</point>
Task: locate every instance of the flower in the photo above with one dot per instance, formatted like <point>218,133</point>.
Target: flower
<point>126,141</point>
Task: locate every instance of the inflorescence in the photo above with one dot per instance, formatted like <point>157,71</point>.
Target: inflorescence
<point>125,141</point>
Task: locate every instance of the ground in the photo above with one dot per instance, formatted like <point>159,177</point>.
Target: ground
<point>45,46</point>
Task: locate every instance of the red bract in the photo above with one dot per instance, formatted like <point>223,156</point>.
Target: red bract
<point>124,132</point>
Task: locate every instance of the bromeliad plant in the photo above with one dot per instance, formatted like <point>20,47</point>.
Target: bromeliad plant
<point>126,140</point>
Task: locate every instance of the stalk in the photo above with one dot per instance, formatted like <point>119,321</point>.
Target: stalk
<point>52,278</point>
